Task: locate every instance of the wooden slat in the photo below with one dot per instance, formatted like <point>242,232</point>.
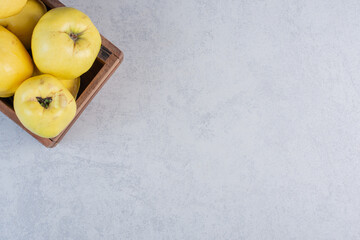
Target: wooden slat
<point>53,3</point>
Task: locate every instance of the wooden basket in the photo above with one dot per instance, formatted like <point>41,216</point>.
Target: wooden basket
<point>92,81</point>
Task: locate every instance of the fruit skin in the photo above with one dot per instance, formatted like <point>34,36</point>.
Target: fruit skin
<point>50,122</point>
<point>9,8</point>
<point>65,43</point>
<point>73,85</point>
<point>15,63</point>
<point>23,23</point>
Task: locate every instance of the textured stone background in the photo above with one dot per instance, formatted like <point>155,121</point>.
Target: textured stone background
<point>234,119</point>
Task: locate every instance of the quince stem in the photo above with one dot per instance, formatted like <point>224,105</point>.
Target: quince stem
<point>74,36</point>
<point>44,102</point>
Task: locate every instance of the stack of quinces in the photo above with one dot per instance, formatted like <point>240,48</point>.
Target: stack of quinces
<point>63,43</point>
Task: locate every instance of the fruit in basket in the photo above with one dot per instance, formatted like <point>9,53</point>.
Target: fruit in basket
<point>15,63</point>
<point>44,106</point>
<point>73,85</point>
<point>23,23</point>
<point>11,7</point>
<point>65,43</point>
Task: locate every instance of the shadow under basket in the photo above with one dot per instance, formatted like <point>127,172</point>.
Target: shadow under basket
<point>108,60</point>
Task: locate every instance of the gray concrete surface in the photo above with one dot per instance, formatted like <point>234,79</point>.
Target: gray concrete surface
<point>227,120</point>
